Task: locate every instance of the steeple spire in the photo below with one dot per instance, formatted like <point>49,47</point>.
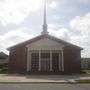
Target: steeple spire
<point>44,26</point>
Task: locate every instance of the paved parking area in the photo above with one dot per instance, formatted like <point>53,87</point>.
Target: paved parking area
<point>44,86</point>
<point>42,78</point>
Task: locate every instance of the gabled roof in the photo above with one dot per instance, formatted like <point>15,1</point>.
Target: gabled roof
<point>41,37</point>
<point>3,55</point>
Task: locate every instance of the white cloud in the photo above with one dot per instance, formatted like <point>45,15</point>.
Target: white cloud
<point>13,37</point>
<point>53,4</point>
<point>83,25</point>
<point>62,33</point>
<point>84,1</point>
<point>84,42</point>
<point>58,17</point>
<point>15,11</point>
<point>54,25</point>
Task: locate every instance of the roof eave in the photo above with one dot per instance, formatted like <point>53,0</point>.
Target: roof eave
<point>41,36</point>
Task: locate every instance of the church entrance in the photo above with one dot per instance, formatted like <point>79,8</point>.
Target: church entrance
<point>45,60</point>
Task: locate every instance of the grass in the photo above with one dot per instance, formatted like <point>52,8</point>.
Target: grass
<point>83,81</point>
<point>3,69</point>
<point>86,71</point>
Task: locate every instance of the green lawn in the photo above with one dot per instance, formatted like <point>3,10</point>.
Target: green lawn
<point>3,69</point>
<point>83,81</point>
<point>86,71</point>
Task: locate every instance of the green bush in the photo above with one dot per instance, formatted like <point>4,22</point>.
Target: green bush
<point>86,71</point>
<point>83,81</point>
<point>3,69</point>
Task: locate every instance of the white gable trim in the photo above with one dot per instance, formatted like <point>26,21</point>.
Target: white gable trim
<point>45,44</point>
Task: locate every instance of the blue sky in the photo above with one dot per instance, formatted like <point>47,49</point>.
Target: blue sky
<point>21,20</point>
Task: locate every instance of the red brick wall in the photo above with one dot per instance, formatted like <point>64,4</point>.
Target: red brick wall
<point>72,60</point>
<point>18,59</point>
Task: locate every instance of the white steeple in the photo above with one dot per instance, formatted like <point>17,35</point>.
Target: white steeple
<point>44,26</point>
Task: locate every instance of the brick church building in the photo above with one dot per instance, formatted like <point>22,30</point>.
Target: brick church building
<point>45,54</point>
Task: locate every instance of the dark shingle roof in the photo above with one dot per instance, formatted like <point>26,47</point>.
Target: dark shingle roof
<point>41,37</point>
<point>3,55</point>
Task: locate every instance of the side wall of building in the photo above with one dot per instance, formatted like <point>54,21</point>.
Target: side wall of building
<point>72,60</point>
<point>18,60</point>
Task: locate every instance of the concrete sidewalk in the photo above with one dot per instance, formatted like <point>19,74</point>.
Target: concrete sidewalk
<point>15,78</point>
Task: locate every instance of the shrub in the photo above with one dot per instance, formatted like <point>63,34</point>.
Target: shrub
<point>3,69</point>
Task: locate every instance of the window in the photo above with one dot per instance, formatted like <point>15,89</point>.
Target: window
<point>45,61</point>
<point>55,61</point>
<point>35,61</point>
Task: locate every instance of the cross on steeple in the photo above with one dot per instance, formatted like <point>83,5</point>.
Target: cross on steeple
<point>44,26</point>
